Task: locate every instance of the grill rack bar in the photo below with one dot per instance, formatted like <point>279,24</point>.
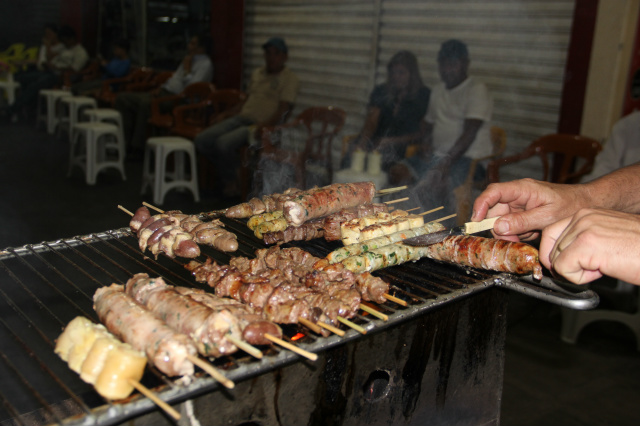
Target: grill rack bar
<point>113,256</point>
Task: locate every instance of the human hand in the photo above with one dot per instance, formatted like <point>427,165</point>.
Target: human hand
<point>593,243</point>
<point>186,63</point>
<point>527,206</point>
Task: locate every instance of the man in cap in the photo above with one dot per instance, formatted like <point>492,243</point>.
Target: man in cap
<point>270,96</point>
<point>457,123</point>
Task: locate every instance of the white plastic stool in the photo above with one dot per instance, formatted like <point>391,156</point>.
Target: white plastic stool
<point>101,140</point>
<point>70,115</point>
<point>47,112</point>
<point>9,86</point>
<point>106,115</point>
<point>574,321</point>
<point>160,148</point>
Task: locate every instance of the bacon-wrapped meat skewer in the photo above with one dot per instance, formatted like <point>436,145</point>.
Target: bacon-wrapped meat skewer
<point>165,348</point>
<point>208,327</point>
<point>486,253</point>
<point>255,206</point>
<point>327,200</point>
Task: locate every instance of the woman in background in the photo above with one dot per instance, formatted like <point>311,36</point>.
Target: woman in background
<point>394,112</point>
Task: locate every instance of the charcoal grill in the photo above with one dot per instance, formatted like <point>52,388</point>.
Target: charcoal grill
<point>437,361</point>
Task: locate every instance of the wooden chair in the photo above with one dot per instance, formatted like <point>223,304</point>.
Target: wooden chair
<point>322,125</point>
<point>189,120</point>
<point>162,108</point>
<point>565,158</point>
<point>464,192</point>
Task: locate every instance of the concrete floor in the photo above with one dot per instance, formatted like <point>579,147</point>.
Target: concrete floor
<point>548,382</point>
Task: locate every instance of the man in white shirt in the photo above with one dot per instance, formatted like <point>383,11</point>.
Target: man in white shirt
<point>72,58</point>
<point>135,108</point>
<point>457,124</point>
<point>621,150</point>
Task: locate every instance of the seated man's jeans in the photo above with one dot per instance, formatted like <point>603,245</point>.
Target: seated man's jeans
<point>221,143</point>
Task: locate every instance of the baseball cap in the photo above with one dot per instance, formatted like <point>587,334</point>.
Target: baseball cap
<point>276,42</point>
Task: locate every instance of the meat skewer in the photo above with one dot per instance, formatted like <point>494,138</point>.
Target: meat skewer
<point>478,252</point>
<point>171,352</point>
<point>327,227</point>
<point>259,282</point>
<point>210,233</point>
<point>327,200</point>
<point>205,318</point>
<point>112,367</point>
<point>162,233</point>
<point>255,206</point>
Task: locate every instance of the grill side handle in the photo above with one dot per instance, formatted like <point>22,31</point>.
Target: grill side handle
<point>548,290</point>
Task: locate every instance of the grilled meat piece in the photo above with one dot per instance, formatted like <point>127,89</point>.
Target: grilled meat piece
<point>165,348</point>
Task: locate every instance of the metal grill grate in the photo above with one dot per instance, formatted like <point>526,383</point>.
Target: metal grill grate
<point>43,286</point>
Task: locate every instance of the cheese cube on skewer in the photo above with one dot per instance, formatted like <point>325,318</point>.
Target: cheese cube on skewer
<point>123,365</point>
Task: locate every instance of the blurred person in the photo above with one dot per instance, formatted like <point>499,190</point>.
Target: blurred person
<point>588,230</point>
<point>622,147</point>
<point>394,112</point>
<point>51,46</point>
<point>457,131</point>
<point>135,107</point>
<point>118,66</point>
<point>270,97</point>
<point>71,59</point>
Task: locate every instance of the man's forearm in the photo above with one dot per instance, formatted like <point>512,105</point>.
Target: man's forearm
<point>617,191</point>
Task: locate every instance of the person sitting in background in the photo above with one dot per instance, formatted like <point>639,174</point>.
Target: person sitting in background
<point>394,112</point>
<point>270,96</point>
<point>622,147</point>
<point>71,59</point>
<point>50,47</point>
<point>457,130</point>
<point>117,67</point>
<point>135,107</point>
<point>588,230</point>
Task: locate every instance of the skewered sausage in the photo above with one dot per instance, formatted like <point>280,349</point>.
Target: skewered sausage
<point>327,200</point>
<point>167,349</point>
<point>487,253</point>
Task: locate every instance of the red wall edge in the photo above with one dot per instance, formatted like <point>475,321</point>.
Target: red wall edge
<point>577,66</point>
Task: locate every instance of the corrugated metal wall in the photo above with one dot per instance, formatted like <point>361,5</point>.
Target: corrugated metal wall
<point>340,49</point>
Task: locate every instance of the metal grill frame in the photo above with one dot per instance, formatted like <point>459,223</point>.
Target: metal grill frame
<point>439,284</point>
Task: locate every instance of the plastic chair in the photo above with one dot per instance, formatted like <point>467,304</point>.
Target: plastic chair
<point>101,140</point>
<point>465,193</point>
<point>192,94</point>
<point>190,120</point>
<point>47,107</point>
<point>560,155</point>
<point>158,150</point>
<point>322,125</point>
<point>70,110</point>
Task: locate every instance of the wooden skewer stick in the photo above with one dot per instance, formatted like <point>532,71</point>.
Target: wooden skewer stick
<point>445,218</point>
<point>309,355</point>
<point>331,328</point>
<point>348,323</point>
<point>212,371</point>
<point>399,200</point>
<point>415,208</point>
<point>144,203</point>
<point>310,325</point>
<point>373,312</point>
<point>390,190</point>
<point>395,300</point>
<point>153,397</point>
<point>125,210</point>
<point>251,350</point>
<point>431,211</point>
